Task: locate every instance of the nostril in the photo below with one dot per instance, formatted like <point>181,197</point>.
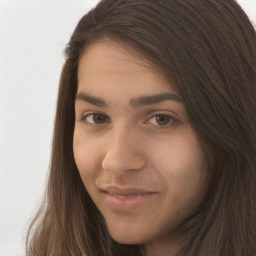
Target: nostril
<point>123,162</point>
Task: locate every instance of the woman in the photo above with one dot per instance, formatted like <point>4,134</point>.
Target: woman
<point>154,141</point>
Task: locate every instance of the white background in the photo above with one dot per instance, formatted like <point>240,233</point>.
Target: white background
<point>33,34</point>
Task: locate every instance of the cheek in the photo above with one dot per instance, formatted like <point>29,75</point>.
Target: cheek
<point>182,165</point>
<point>180,155</point>
<point>85,153</point>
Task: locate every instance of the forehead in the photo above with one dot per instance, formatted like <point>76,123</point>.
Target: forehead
<point>108,66</point>
<point>108,55</point>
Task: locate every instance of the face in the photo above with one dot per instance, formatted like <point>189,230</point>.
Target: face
<point>136,153</point>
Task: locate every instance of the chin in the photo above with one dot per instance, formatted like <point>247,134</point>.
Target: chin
<point>127,238</point>
<point>126,241</point>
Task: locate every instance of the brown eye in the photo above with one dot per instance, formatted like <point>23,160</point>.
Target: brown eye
<point>96,118</point>
<point>162,119</point>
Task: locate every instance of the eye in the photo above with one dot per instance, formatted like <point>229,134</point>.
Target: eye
<point>96,118</point>
<point>161,120</point>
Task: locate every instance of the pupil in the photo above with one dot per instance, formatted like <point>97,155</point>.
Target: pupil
<point>162,120</point>
<point>97,118</point>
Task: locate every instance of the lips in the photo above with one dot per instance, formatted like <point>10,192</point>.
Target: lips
<point>126,199</point>
<point>124,196</point>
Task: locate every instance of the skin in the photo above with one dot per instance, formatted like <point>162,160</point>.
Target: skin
<point>129,147</point>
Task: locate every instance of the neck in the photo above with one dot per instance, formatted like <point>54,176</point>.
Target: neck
<point>162,247</point>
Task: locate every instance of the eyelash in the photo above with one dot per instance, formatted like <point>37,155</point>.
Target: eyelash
<point>172,120</point>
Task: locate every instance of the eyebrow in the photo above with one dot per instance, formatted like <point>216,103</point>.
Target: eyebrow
<point>136,102</point>
<point>92,99</point>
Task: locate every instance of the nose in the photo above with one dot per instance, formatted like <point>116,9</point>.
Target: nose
<point>124,153</point>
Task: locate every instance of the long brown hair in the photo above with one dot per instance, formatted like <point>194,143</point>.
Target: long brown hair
<point>207,48</point>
